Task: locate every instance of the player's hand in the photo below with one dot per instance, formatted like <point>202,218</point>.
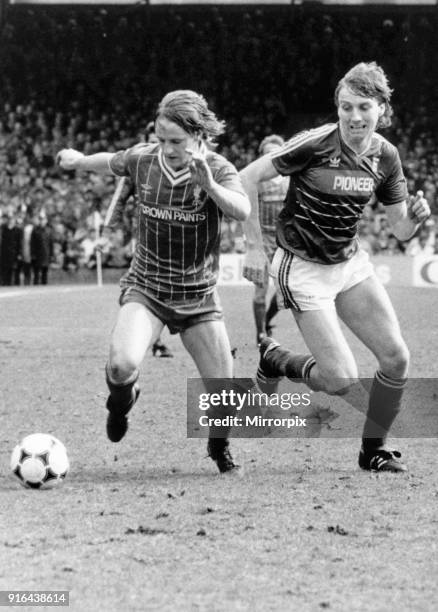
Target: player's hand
<point>68,159</point>
<point>254,265</point>
<point>200,170</point>
<point>418,208</point>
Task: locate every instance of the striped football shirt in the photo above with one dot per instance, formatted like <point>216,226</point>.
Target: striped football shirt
<point>272,196</point>
<point>329,189</point>
<point>177,252</point>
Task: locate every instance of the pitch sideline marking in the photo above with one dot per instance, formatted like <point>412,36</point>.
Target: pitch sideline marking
<point>53,289</point>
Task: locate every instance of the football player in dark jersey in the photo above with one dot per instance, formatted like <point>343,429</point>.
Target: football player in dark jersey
<point>320,270</point>
<point>183,190</point>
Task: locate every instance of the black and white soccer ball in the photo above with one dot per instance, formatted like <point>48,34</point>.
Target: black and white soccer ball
<point>40,461</point>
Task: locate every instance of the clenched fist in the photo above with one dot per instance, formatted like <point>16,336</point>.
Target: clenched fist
<point>69,159</point>
<point>418,208</point>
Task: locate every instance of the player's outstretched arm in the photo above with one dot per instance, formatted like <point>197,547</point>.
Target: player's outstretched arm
<point>256,172</point>
<point>405,218</point>
<point>70,159</point>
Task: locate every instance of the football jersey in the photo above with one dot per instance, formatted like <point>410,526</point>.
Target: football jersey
<point>177,252</point>
<point>272,195</point>
<point>329,189</point>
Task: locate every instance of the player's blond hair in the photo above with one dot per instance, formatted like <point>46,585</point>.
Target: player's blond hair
<point>271,139</point>
<point>369,81</point>
<point>190,111</point>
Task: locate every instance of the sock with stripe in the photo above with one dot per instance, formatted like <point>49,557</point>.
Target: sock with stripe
<point>384,405</point>
<point>291,365</point>
<point>220,410</point>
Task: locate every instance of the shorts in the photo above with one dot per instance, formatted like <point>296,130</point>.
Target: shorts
<point>307,285</point>
<point>177,315</point>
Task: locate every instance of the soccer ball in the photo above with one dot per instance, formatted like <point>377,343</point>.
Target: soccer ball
<point>40,461</point>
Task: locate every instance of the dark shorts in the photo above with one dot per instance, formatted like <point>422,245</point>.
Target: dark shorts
<point>178,316</point>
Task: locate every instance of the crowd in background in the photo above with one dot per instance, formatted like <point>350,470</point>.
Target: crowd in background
<point>90,78</point>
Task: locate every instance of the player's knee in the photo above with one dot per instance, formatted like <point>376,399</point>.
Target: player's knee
<point>395,361</point>
<point>121,367</point>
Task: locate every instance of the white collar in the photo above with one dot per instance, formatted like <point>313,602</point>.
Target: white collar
<point>176,177</point>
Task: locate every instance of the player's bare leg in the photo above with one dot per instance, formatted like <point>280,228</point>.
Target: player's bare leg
<point>133,333</point>
<point>329,366</point>
<point>366,309</point>
<point>368,312</point>
<point>259,310</point>
<point>208,344</point>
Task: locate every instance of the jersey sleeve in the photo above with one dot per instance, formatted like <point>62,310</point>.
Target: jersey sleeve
<point>394,189</point>
<point>295,154</point>
<point>123,160</point>
<point>226,175</point>
<point>119,163</point>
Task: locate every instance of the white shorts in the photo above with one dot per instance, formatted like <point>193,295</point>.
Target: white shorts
<point>306,285</point>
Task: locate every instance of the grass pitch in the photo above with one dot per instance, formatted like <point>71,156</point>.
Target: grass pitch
<point>148,524</point>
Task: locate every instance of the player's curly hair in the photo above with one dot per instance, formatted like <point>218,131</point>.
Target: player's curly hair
<point>370,81</point>
<point>190,111</point>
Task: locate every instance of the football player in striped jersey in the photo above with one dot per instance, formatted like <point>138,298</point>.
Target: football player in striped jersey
<point>272,194</point>
<point>183,188</point>
<point>321,273</point>
<point>124,191</point>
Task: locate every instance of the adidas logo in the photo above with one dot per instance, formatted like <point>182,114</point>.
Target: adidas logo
<point>334,162</point>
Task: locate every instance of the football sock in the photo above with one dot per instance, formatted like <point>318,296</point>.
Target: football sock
<point>121,393</point>
<point>222,410</point>
<point>259,309</point>
<point>272,310</point>
<point>291,365</point>
<point>384,405</point>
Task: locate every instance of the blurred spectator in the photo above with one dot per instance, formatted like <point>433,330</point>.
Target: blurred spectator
<point>88,249</point>
<point>49,107</point>
<point>41,247</point>
<point>119,255</point>
<point>10,252</point>
<point>394,246</point>
<point>57,259</point>
<point>423,244</point>
<point>71,252</point>
<point>26,262</point>
<point>382,241</point>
